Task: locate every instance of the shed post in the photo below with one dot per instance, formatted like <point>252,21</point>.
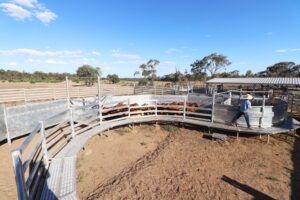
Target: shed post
<point>19,174</point>
<point>262,111</point>
<point>6,125</point>
<point>230,95</point>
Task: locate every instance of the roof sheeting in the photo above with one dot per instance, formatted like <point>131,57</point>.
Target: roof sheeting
<point>265,80</point>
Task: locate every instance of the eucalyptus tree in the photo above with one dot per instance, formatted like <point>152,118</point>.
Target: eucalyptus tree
<point>211,63</point>
<point>148,70</point>
<point>88,74</point>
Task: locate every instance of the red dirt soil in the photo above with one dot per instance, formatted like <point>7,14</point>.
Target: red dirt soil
<point>184,165</point>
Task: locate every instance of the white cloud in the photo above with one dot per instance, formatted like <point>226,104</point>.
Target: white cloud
<point>47,61</point>
<point>281,50</point>
<point>60,62</point>
<point>84,60</point>
<point>173,50</point>
<point>34,52</point>
<point>25,9</point>
<point>293,50</point>
<point>46,16</point>
<point>115,51</point>
<point>13,64</point>
<point>127,56</point>
<point>119,62</point>
<point>15,11</point>
<point>287,50</point>
<point>26,3</point>
<point>96,53</point>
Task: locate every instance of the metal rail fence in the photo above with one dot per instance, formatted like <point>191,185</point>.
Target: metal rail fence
<point>31,169</point>
<point>172,90</point>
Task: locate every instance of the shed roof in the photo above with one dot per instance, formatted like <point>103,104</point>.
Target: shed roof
<point>265,81</point>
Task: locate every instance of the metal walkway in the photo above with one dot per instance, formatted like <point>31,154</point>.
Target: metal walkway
<point>61,177</point>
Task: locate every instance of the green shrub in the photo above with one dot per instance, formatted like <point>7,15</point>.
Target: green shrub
<point>143,81</point>
<point>113,78</point>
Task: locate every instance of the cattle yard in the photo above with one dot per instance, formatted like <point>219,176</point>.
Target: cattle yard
<point>45,163</point>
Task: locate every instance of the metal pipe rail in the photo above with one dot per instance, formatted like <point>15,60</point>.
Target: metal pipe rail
<point>50,141</point>
<point>53,141</point>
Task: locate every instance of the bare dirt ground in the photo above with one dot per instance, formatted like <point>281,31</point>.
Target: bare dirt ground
<point>184,165</point>
<point>110,155</point>
<point>7,178</point>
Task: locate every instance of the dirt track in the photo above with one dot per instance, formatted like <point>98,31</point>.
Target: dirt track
<point>186,166</point>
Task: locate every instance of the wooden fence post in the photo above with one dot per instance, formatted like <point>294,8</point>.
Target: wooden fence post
<point>44,144</point>
<point>19,174</point>
<point>6,125</point>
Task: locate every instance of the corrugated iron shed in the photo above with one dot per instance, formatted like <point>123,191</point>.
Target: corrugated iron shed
<point>264,81</point>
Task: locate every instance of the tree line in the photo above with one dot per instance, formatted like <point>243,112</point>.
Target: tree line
<point>38,76</point>
<point>211,66</point>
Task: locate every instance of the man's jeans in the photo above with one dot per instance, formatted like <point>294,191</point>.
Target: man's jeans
<point>239,114</point>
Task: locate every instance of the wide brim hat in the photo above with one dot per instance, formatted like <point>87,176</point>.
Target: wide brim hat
<point>247,96</point>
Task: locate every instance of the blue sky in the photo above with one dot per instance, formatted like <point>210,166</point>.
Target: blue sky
<point>119,35</point>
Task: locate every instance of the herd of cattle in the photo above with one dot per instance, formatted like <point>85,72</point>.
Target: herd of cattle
<point>135,107</point>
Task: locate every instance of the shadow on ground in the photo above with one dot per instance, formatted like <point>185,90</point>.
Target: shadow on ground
<point>255,193</point>
<point>295,175</point>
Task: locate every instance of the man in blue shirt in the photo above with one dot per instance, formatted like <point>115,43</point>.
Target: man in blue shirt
<point>245,105</point>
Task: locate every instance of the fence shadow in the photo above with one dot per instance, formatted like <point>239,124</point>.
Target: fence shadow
<point>255,193</point>
<point>295,175</point>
